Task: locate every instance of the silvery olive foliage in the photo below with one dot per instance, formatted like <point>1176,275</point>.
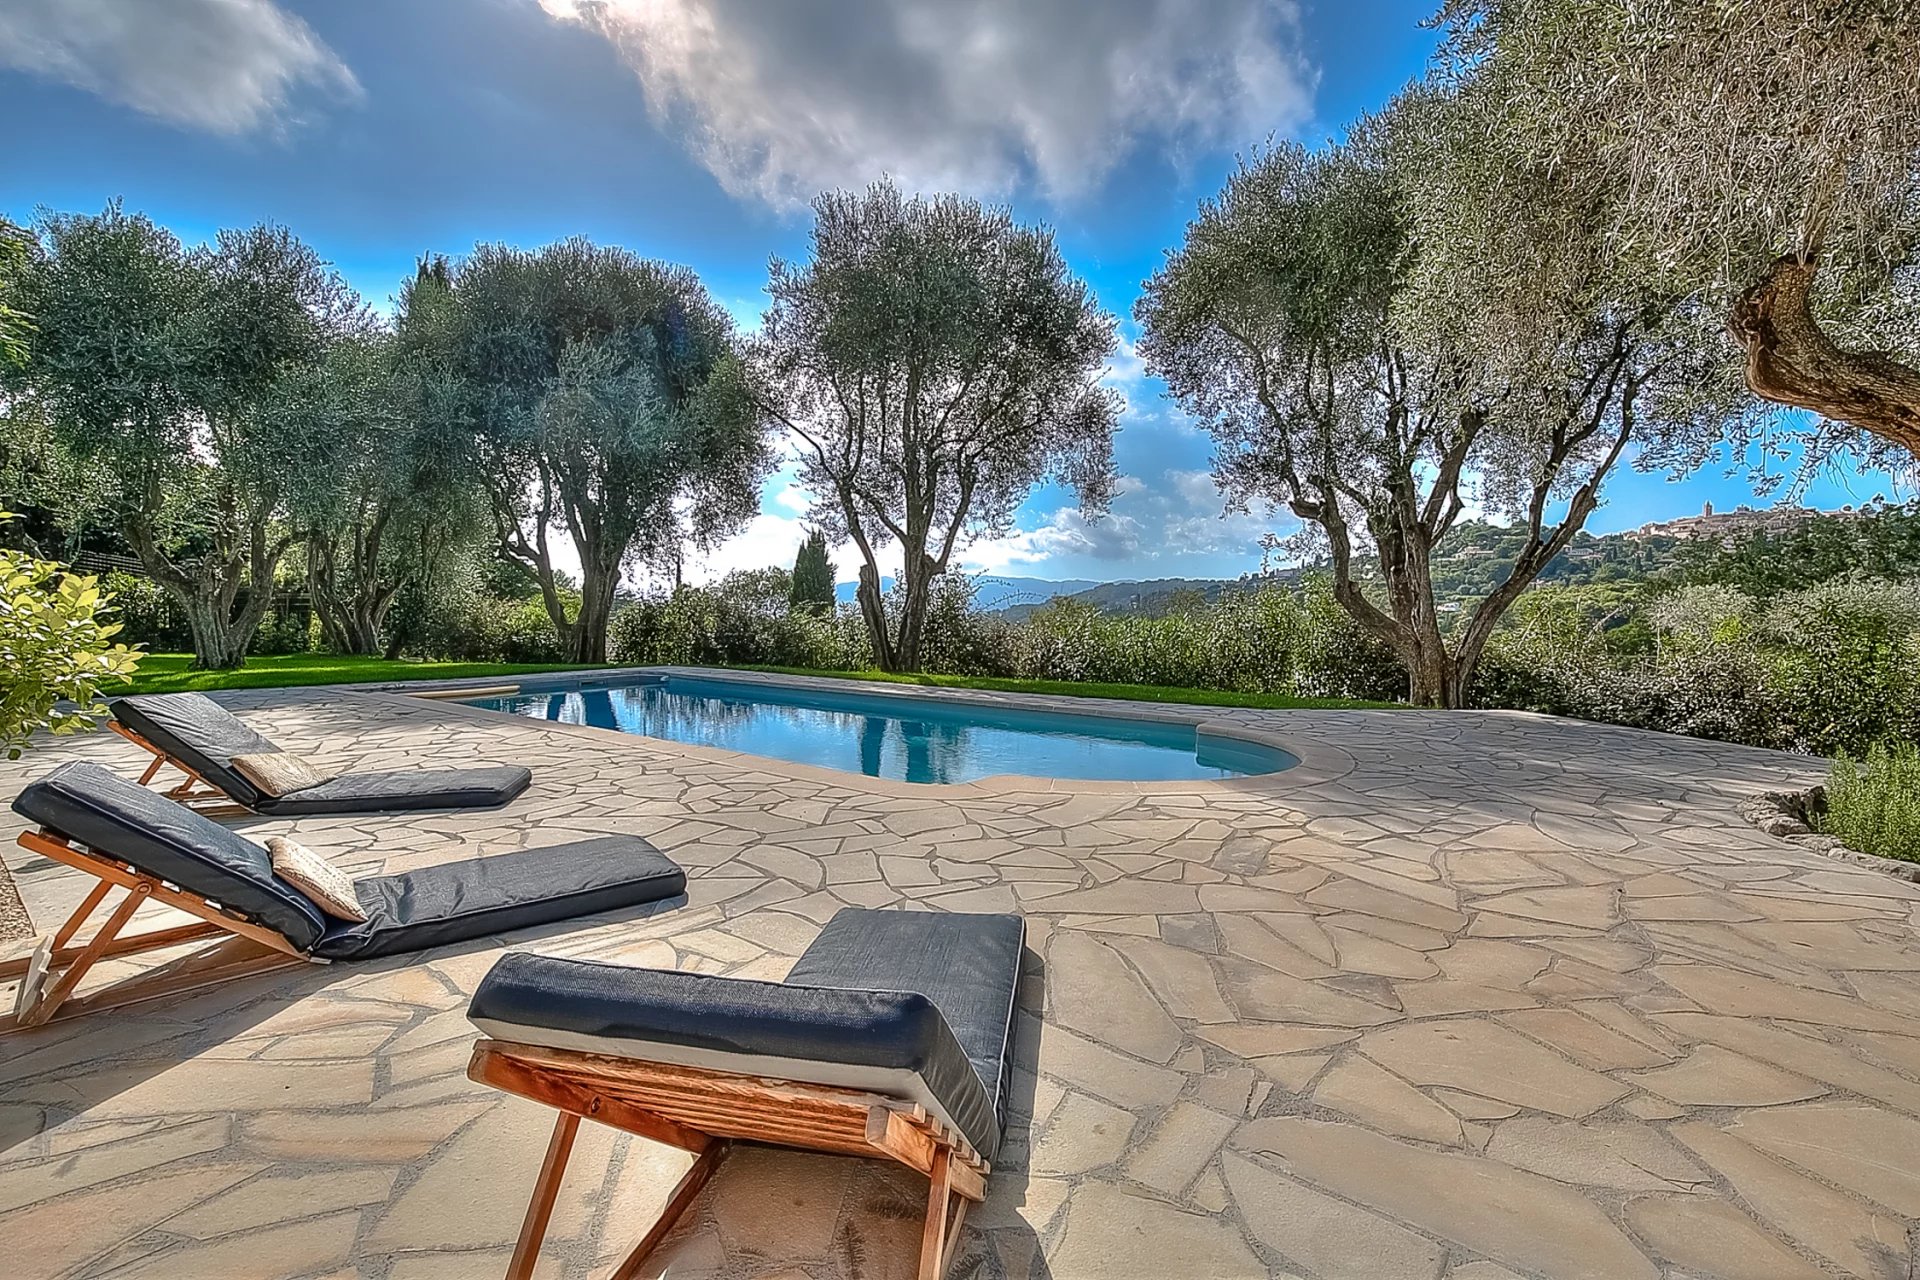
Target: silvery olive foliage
<point>600,394</point>
<point>1385,334</point>
<point>153,362</point>
<point>1721,134</point>
<point>1756,156</point>
<point>934,361</point>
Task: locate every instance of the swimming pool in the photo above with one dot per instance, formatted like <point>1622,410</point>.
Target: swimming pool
<point>908,738</point>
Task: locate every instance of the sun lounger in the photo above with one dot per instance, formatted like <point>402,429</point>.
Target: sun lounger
<point>890,1038</point>
<point>200,737</point>
<point>159,851</point>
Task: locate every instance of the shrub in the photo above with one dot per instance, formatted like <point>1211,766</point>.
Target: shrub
<point>148,615</point>
<point>1337,657</point>
<point>1709,675</point>
<point>285,629</point>
<point>467,626</point>
<point>735,622</point>
<point>1551,655</point>
<point>959,639</point>
<point>1847,674</point>
<point>1876,808</point>
<point>57,648</point>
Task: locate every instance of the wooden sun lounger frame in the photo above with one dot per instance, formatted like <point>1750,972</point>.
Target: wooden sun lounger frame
<point>194,791</point>
<point>704,1112</point>
<point>49,976</point>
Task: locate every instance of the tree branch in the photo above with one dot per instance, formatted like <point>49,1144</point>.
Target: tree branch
<point>1792,361</point>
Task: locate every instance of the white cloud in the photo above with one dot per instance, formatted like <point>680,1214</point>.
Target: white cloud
<point>769,539</point>
<point>1179,514</point>
<point>791,496</point>
<point>1112,539</point>
<point>772,537</point>
<point>1126,373</point>
<point>224,66</point>
<point>781,100</point>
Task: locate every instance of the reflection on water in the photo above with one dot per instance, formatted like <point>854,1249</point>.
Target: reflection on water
<point>896,738</point>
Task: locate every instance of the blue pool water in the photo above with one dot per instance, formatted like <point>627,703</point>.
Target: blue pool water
<point>913,739</point>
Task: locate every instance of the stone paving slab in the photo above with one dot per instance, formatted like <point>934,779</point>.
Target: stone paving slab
<point>1471,996</point>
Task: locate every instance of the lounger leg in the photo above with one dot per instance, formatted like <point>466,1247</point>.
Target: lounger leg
<point>953,1231</point>
<point>696,1177</point>
<point>933,1240</point>
<point>545,1188</point>
<point>34,1007</point>
<point>67,931</point>
<point>57,945</point>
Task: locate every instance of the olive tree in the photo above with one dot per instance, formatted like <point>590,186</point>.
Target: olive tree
<point>378,500</point>
<point>1383,336</point>
<point>935,361</point>
<point>604,399</point>
<point>153,362</point>
<point>1757,154</point>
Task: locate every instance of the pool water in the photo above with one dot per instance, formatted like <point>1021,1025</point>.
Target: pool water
<point>910,739</point>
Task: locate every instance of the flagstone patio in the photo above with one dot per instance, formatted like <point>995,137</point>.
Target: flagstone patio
<point>1468,995</point>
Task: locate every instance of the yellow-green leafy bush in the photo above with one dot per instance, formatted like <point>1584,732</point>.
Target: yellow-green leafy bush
<point>57,648</point>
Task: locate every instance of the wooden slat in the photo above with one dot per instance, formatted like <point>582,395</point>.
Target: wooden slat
<point>209,800</point>
<point>56,847</point>
<point>844,1119</point>
<point>691,1092</point>
<point>488,1066</point>
<point>666,1074</point>
<point>207,967</point>
<point>895,1136</point>
<point>953,1232</point>
<point>677,1098</point>
<point>652,1099</point>
<point>39,1006</point>
<point>969,1182</point>
<point>704,1099</point>
<point>65,933</point>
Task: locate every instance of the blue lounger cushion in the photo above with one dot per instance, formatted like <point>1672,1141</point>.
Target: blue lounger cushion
<point>475,897</point>
<point>204,735</point>
<point>409,911</point>
<point>915,1005</point>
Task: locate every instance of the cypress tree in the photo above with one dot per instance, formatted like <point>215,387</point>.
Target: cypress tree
<point>812,576</point>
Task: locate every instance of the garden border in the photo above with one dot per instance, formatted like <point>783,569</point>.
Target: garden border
<point>1788,815</point>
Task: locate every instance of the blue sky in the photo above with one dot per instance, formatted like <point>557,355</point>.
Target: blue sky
<point>382,129</point>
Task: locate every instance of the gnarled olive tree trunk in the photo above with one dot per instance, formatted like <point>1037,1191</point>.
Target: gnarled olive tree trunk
<point>1792,361</point>
<point>242,558</point>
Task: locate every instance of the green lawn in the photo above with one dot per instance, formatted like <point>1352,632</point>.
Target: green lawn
<point>169,673</point>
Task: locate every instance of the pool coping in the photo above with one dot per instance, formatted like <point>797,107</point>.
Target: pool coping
<point>1318,763</point>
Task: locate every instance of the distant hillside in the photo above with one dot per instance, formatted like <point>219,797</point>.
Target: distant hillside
<point>1476,557</point>
<point>1156,595</point>
<point>1473,559</point>
<point>994,593</point>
